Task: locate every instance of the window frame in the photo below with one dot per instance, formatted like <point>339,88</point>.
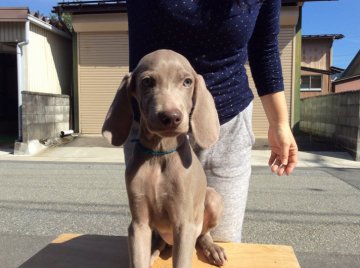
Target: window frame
<point>315,89</point>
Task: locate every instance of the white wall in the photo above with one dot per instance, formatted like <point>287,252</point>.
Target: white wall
<point>47,62</point>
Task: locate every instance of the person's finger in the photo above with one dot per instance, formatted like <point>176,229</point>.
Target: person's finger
<point>290,168</point>
<point>272,159</point>
<point>293,159</point>
<point>281,169</point>
<point>284,154</point>
<point>275,165</point>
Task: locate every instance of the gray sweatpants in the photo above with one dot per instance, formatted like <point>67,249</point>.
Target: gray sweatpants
<point>227,165</point>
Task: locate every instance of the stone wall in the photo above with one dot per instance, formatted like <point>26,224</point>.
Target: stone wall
<point>44,115</point>
<point>335,117</point>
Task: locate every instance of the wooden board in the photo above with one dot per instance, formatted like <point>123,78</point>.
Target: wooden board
<point>93,251</point>
<point>244,255</point>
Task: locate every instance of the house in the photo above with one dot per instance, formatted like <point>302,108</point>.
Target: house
<point>35,77</point>
<point>350,78</point>
<point>101,60</point>
<point>316,64</point>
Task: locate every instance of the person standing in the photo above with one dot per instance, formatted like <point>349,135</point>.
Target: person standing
<point>218,37</point>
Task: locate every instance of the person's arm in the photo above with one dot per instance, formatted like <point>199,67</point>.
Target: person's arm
<point>263,49</point>
<point>281,140</point>
<point>264,61</point>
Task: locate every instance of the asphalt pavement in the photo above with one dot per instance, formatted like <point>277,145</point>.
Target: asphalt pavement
<point>79,188</point>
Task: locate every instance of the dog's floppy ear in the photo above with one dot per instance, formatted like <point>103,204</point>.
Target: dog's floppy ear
<point>119,118</point>
<point>204,120</point>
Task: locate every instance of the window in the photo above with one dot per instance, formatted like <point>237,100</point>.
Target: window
<point>310,83</point>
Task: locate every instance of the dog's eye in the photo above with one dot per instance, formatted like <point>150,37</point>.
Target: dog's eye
<point>148,82</point>
<point>187,82</point>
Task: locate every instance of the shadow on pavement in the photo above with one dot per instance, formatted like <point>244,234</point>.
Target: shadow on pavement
<point>308,142</point>
<point>82,251</point>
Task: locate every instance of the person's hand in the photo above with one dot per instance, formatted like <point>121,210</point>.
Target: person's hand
<point>283,146</point>
<point>284,150</point>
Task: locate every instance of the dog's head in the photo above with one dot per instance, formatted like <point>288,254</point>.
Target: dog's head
<point>171,98</point>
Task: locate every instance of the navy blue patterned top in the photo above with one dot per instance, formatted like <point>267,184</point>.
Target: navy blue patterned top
<point>217,37</point>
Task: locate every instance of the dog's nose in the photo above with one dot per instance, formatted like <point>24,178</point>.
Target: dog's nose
<point>170,118</point>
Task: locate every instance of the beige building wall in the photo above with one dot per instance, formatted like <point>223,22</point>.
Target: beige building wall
<point>47,62</point>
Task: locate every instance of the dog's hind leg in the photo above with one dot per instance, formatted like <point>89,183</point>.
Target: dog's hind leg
<point>214,253</point>
<point>213,210</point>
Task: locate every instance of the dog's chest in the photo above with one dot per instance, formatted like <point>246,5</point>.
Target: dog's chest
<point>163,182</point>
<point>159,183</point>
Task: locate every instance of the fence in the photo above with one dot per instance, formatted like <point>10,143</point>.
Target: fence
<point>334,117</point>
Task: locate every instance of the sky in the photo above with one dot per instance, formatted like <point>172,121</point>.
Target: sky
<point>335,17</point>
<point>325,17</point>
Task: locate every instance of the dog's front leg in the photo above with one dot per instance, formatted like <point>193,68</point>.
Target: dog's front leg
<point>139,244</point>
<point>185,235</point>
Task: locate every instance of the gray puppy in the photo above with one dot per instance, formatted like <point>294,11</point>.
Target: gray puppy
<point>166,184</point>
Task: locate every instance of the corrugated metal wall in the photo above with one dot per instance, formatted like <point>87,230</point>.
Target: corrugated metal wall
<point>286,44</point>
<point>48,62</point>
<point>103,61</point>
<point>12,32</point>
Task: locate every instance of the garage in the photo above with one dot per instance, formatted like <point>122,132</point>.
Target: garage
<point>100,45</point>
<point>103,61</point>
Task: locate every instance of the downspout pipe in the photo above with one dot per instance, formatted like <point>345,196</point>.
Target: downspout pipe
<point>20,76</point>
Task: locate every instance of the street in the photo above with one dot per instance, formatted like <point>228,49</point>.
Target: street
<point>316,210</point>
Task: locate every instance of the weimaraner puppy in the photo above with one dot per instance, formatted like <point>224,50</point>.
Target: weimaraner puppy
<point>166,184</point>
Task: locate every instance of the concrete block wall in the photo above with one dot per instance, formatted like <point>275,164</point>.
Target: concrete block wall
<point>335,117</point>
<point>44,115</point>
